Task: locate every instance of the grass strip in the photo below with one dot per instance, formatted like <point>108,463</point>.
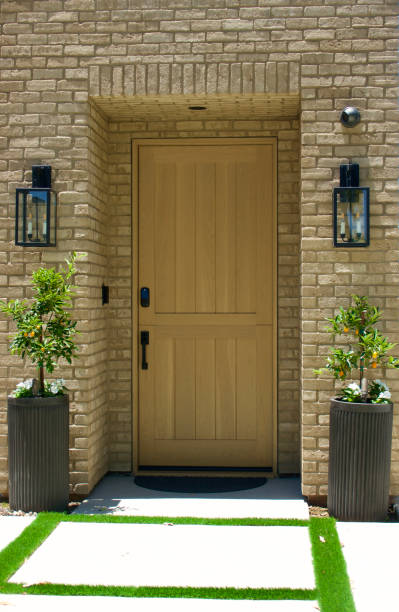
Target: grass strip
<point>332,581</point>
<point>181,520</point>
<point>170,592</point>
<point>12,557</point>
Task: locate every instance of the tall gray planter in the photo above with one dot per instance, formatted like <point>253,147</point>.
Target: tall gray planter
<point>38,453</point>
<point>360,460</point>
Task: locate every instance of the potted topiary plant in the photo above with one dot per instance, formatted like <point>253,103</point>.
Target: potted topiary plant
<point>360,416</point>
<point>38,410</point>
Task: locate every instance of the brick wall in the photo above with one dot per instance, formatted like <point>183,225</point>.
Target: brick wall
<point>356,64</point>
<point>56,54</point>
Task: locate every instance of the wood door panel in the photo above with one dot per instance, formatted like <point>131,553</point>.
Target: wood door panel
<point>226,388</point>
<point>164,389</point>
<point>205,453</point>
<point>206,252</point>
<point>208,232</point>
<point>205,238</point>
<point>185,238</point>
<point>205,392</point>
<point>226,236</point>
<point>207,385</point>
<point>184,384</point>
<point>246,242</point>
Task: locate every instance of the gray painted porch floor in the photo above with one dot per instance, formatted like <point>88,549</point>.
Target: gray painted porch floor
<point>118,494</point>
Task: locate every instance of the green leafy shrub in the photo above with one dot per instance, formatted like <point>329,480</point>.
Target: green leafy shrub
<point>367,348</point>
<point>45,331</point>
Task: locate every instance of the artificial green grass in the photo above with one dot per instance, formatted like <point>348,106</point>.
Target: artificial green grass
<point>181,592</point>
<point>333,590</point>
<point>180,520</point>
<point>12,557</point>
<point>332,582</point>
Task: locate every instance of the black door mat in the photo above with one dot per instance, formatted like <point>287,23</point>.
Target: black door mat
<point>185,484</point>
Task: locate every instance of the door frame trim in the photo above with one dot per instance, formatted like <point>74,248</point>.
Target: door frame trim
<point>142,142</point>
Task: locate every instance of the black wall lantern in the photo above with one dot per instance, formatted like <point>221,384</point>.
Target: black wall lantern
<point>36,211</point>
<point>351,209</point>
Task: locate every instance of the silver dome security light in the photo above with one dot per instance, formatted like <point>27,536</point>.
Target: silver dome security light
<point>350,116</point>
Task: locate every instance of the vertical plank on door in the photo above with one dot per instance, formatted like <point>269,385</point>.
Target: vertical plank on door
<point>265,234</point>
<point>165,237</point>
<point>146,223</point>
<point>246,388</point>
<point>247,207</point>
<point>164,391</point>
<point>226,237</point>
<point>205,237</point>
<point>264,388</point>
<point>185,388</point>
<point>205,389</point>
<point>147,397</point>
<point>225,388</point>
<point>185,238</point>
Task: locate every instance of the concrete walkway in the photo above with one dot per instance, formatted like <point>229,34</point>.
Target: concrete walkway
<point>11,528</point>
<point>41,603</point>
<point>371,554</point>
<point>198,555</point>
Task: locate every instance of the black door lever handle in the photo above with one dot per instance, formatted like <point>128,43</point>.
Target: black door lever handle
<point>144,339</point>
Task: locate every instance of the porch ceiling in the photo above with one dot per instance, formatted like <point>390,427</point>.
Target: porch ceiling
<point>217,107</point>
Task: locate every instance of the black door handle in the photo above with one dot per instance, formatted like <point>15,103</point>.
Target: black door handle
<point>144,339</point>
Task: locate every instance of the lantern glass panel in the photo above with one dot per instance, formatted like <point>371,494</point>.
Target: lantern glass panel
<point>20,218</point>
<point>351,216</point>
<point>52,217</point>
<point>36,217</point>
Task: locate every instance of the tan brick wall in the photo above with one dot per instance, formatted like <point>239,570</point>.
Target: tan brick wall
<point>357,65</point>
<point>55,54</point>
<point>96,214</point>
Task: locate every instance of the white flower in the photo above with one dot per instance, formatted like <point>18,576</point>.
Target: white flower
<point>354,387</point>
<point>385,395</point>
<point>55,386</point>
<point>381,384</point>
<point>26,384</point>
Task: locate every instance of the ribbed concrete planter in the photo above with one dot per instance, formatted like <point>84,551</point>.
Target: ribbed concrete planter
<point>38,453</point>
<point>360,460</point>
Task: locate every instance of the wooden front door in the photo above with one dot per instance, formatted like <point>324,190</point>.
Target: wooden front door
<point>207,257</point>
